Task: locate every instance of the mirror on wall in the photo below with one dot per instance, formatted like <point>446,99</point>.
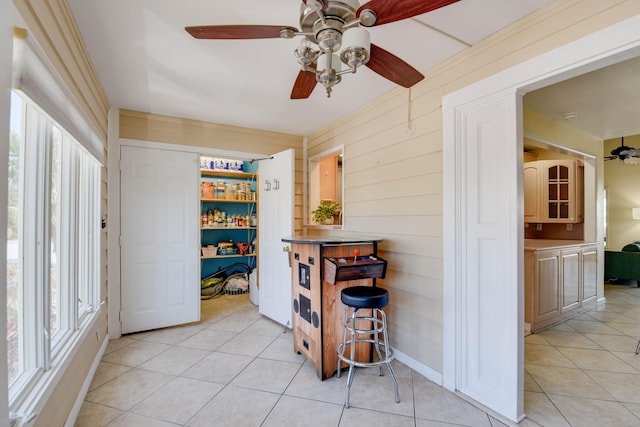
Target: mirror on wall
<point>326,188</point>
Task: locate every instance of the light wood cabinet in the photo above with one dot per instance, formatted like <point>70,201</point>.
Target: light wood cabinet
<point>318,312</point>
<point>532,192</point>
<point>547,289</point>
<point>554,191</point>
<point>559,283</point>
<point>570,279</point>
<point>589,273</point>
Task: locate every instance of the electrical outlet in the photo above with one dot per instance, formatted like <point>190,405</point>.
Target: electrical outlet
<point>569,227</point>
<point>538,227</point>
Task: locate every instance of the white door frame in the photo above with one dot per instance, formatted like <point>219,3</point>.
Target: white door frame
<point>611,45</point>
<point>115,142</point>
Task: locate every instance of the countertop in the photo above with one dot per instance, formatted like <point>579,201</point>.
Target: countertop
<point>329,240</point>
<point>537,244</point>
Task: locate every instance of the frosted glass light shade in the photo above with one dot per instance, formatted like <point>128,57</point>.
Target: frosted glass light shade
<point>356,44</point>
<point>635,213</point>
<point>356,37</point>
<point>324,59</point>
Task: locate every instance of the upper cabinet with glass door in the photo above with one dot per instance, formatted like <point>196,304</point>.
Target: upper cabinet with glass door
<point>554,191</point>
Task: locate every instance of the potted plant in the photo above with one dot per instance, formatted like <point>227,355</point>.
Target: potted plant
<point>325,212</point>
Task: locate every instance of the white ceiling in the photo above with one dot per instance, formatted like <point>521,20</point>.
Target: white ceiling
<point>147,62</point>
<point>607,101</point>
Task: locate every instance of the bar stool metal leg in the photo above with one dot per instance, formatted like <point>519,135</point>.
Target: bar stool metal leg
<point>376,338</point>
<point>352,366</point>
<point>370,335</point>
<point>344,339</point>
<point>386,346</point>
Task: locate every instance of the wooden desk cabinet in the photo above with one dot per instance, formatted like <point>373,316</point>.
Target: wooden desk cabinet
<point>318,313</point>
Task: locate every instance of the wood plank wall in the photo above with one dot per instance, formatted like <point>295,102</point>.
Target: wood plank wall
<point>393,164</point>
<point>174,130</point>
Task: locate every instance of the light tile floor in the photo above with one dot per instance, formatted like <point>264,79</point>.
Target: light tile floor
<point>237,368</point>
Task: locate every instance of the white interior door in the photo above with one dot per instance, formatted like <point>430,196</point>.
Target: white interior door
<point>276,215</point>
<point>159,238</point>
<point>484,177</point>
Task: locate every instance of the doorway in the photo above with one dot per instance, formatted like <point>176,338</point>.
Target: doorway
<point>483,262</point>
<point>115,293</point>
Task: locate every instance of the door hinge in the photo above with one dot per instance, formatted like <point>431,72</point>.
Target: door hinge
<point>120,316</point>
<point>120,240</point>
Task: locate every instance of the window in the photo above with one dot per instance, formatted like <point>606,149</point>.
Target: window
<point>326,182</point>
<point>53,243</point>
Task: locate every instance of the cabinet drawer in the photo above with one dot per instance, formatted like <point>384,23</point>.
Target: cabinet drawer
<point>363,268</point>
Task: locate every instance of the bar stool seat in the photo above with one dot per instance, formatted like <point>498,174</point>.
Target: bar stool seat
<point>365,329</point>
<point>364,297</point>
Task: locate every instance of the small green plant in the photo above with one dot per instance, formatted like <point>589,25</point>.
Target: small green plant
<point>325,212</point>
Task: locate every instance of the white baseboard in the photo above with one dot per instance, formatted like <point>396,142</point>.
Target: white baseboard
<point>75,410</point>
<point>420,368</point>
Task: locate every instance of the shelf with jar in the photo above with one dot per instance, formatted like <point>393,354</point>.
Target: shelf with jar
<point>228,214</point>
<point>228,234</point>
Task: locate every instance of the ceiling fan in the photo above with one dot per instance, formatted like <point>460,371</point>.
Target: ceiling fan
<point>335,40</point>
<point>626,154</point>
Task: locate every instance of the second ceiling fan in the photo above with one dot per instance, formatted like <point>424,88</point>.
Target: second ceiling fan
<point>625,154</point>
<point>335,41</point>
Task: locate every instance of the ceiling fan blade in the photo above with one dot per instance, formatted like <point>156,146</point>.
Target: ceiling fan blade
<point>238,32</point>
<point>304,85</point>
<point>392,68</point>
<point>391,11</point>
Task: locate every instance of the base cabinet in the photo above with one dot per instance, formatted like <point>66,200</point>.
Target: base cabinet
<point>547,280</point>
<point>589,274</point>
<point>559,283</point>
<point>570,280</point>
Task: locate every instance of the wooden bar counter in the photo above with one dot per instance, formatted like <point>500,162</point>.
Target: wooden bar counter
<point>321,267</point>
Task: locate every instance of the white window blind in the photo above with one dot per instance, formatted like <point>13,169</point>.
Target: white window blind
<point>33,75</point>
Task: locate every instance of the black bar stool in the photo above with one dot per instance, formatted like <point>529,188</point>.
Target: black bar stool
<point>373,298</point>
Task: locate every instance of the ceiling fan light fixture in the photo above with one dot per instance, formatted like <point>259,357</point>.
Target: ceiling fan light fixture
<point>326,61</point>
<point>328,32</point>
<point>305,54</point>
<point>329,67</point>
<point>356,44</point>
<point>335,26</point>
